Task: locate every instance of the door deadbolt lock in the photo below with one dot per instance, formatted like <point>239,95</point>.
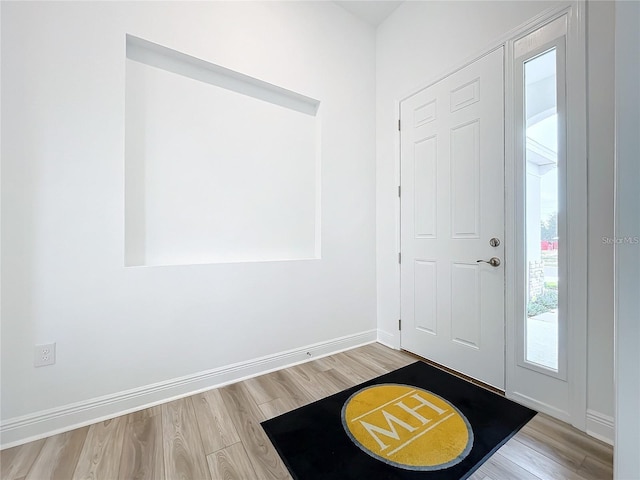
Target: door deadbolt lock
<point>493,261</point>
<point>494,242</point>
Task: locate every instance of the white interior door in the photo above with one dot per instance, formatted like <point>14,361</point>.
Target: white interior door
<point>452,206</point>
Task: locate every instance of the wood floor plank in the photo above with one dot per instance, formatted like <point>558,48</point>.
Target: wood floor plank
<point>328,384</point>
<point>231,463</point>
<point>336,379</point>
<point>569,435</point>
<point>100,456</point>
<point>144,414</point>
<point>15,462</point>
<point>59,456</point>
<point>277,407</point>
<point>216,428</point>
<point>261,389</point>
<point>500,467</point>
<point>593,469</point>
<point>285,384</point>
<point>558,451</point>
<point>392,359</point>
<point>357,364</point>
<point>535,462</point>
<point>313,366</point>
<point>480,474</point>
<point>218,434</point>
<point>384,357</point>
<point>334,363</point>
<point>327,363</point>
<point>246,417</point>
<point>142,450</point>
<point>368,361</point>
<point>308,380</point>
<point>184,457</point>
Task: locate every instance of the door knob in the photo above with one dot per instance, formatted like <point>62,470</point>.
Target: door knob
<point>493,261</point>
<point>494,242</point>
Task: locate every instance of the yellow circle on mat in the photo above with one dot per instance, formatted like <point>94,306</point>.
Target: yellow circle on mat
<point>407,427</point>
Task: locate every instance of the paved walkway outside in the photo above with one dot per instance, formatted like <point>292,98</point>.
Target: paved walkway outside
<point>542,339</point>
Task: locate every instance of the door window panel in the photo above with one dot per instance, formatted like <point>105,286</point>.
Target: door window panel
<point>543,244</point>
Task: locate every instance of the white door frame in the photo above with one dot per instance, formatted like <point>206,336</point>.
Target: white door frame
<point>576,198</point>
<point>576,225</point>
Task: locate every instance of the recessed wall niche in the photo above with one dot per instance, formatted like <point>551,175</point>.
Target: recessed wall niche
<point>219,166</point>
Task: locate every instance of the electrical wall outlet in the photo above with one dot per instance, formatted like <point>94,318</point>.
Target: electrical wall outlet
<point>44,355</point>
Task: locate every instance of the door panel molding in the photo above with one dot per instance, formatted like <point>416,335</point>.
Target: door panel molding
<point>463,171</point>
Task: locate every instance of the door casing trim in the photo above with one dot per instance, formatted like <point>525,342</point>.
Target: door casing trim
<point>576,227</point>
<point>576,201</point>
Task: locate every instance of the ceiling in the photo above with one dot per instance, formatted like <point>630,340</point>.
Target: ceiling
<point>371,11</point>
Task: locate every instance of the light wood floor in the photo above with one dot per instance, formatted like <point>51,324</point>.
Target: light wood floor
<point>217,434</point>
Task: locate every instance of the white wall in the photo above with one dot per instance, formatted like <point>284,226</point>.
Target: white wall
<point>63,279</point>
<point>422,40</point>
<point>600,123</point>
<point>627,72</point>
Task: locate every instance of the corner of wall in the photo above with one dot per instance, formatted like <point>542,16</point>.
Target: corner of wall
<point>389,339</point>
<point>600,426</point>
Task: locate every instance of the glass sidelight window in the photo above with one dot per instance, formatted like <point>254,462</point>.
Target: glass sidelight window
<point>542,239</point>
<point>547,219</point>
<point>542,153</point>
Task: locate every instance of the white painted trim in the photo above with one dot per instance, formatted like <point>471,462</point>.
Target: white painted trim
<point>397,172</point>
<point>600,426</point>
<point>577,222</point>
<point>27,428</point>
<point>539,406</point>
<point>388,339</point>
<point>511,207</point>
<point>576,204</point>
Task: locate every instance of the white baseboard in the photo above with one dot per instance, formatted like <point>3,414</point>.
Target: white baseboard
<point>20,430</point>
<point>600,426</point>
<point>539,406</point>
<point>389,339</point>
